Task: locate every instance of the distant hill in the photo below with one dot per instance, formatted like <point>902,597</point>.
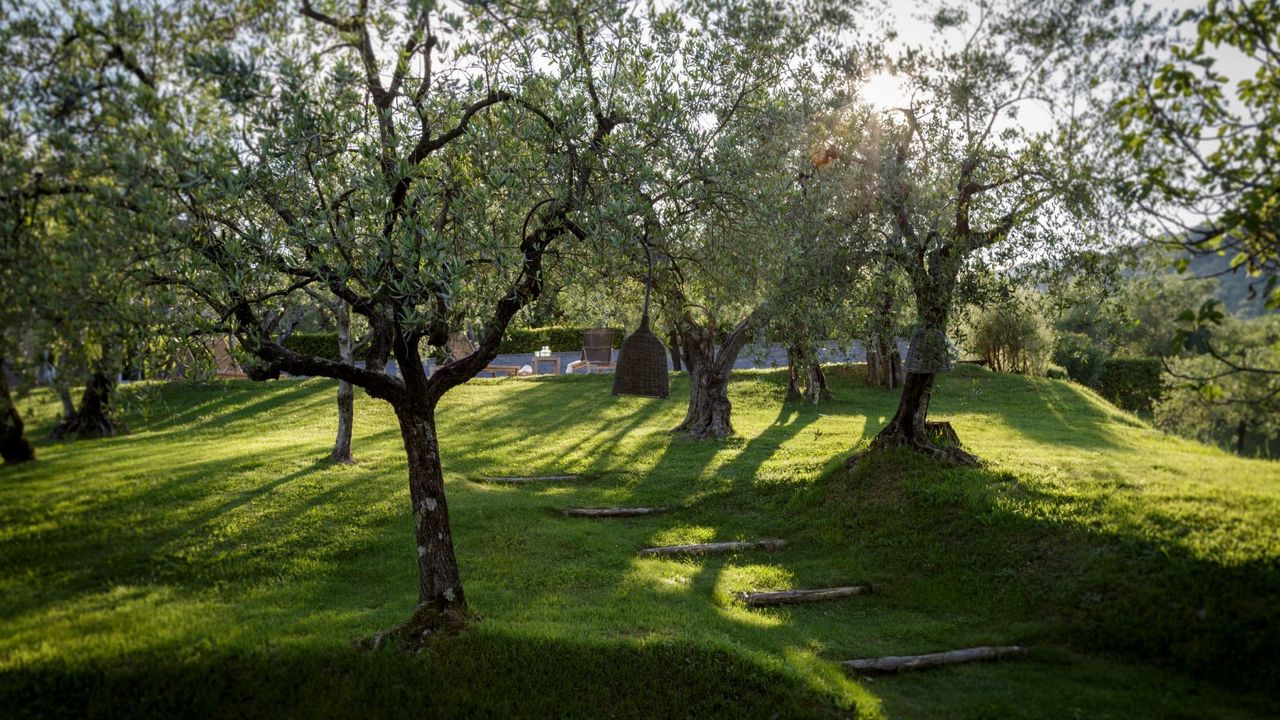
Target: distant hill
<point>1238,291</point>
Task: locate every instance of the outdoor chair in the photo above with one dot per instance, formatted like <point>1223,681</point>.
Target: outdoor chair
<point>460,346</point>
<point>597,352</point>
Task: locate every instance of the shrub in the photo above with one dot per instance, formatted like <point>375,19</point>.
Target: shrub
<point>561,338</point>
<point>1013,338</point>
<point>320,344</point>
<point>1081,356</point>
<point>1131,383</point>
<point>517,340</point>
<point>1056,372</point>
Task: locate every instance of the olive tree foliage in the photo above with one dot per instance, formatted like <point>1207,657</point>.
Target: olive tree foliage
<point>1206,150</point>
<point>72,228</point>
<point>422,163</point>
<point>709,204</point>
<point>1205,146</point>
<point>962,174</point>
<point>1230,393</point>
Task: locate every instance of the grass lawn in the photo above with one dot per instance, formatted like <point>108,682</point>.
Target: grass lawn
<point>209,563</point>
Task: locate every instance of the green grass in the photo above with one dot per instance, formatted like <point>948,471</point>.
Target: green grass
<point>209,564</point>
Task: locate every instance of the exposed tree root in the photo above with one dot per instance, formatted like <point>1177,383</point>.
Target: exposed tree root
<point>711,430</point>
<point>938,441</point>
<point>426,624</point>
<point>84,427</point>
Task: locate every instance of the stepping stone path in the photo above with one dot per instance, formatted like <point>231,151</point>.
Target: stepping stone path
<point>896,663</point>
<point>791,597</point>
<point>711,548</point>
<point>530,479</point>
<point>887,664</point>
<point>612,512</point>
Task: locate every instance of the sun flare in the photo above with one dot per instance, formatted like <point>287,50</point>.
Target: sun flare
<point>884,91</point>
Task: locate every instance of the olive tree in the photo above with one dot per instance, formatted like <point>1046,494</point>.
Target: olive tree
<point>961,175</point>
<point>418,162</point>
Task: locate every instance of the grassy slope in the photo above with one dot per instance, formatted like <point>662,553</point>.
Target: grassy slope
<point>208,564</point>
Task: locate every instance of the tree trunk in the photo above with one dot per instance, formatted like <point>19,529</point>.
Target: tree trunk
<point>793,373</point>
<point>908,427</point>
<point>68,405</point>
<point>709,367</point>
<point>442,606</point>
<point>346,394</point>
<point>92,418</point>
<point>14,446</point>
<point>673,346</point>
<point>816,390</point>
<point>1241,430</point>
<point>378,350</point>
<point>709,407</point>
<point>884,363</point>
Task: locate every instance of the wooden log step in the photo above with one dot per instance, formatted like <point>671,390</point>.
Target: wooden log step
<point>896,663</point>
<point>530,479</point>
<point>790,597</point>
<point>612,511</point>
<point>711,548</point>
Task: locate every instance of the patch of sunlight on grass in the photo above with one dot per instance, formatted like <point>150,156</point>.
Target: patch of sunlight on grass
<point>753,577</point>
<point>110,624</point>
<point>214,529</point>
<point>685,535</point>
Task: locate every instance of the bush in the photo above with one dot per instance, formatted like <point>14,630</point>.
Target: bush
<point>1081,356</point>
<point>1131,383</point>
<point>1013,338</point>
<point>1056,372</point>
<point>561,338</point>
<point>319,344</point>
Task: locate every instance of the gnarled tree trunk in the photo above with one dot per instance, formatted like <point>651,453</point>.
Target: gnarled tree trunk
<point>673,347</point>
<point>805,378</point>
<point>884,363</point>
<point>346,394</point>
<point>815,389</point>
<point>14,446</point>
<point>92,418</point>
<point>909,426</point>
<point>710,363</point>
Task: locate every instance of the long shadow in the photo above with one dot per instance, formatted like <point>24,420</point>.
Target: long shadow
<point>968,546</point>
<point>986,544</point>
<point>161,547</point>
<point>478,674</point>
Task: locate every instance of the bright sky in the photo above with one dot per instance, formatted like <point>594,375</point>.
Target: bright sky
<point>909,20</point>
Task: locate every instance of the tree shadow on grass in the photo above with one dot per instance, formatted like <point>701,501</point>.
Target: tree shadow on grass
<point>479,674</point>
<point>985,544</point>
<point>967,556</point>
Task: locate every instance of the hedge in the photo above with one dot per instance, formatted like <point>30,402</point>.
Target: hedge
<point>561,338</point>
<point>1131,383</point>
<point>319,344</point>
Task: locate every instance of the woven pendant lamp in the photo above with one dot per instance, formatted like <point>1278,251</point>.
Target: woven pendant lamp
<point>642,360</point>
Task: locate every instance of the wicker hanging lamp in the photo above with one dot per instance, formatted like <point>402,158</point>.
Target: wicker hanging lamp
<point>642,360</point>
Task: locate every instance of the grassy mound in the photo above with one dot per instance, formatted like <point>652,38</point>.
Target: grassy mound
<point>210,564</point>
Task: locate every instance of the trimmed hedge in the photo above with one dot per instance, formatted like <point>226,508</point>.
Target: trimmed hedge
<point>319,344</point>
<point>561,338</point>
<point>1131,383</point>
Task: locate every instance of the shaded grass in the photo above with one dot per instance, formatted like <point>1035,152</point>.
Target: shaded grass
<point>209,564</point>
